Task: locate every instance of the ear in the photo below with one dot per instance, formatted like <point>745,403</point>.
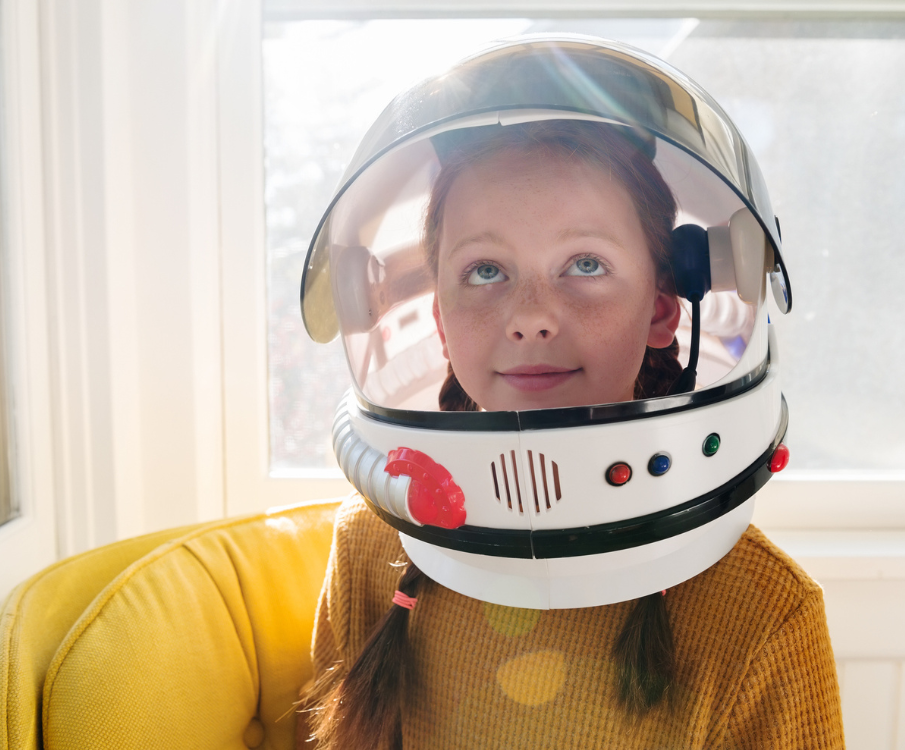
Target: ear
<point>439,323</point>
<point>665,320</point>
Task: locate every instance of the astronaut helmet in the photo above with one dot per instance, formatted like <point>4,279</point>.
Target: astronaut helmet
<point>569,477</point>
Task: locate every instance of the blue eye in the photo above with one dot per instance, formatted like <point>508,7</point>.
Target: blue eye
<point>586,267</point>
<point>485,273</point>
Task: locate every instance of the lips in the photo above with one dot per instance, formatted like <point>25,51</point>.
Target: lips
<point>537,377</point>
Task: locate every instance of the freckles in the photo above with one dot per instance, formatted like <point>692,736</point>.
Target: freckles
<point>594,319</point>
<point>612,328</point>
<point>471,328</point>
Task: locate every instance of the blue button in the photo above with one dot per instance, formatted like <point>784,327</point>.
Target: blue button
<point>659,464</point>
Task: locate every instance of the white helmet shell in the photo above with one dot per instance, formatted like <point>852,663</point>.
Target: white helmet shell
<point>569,507</point>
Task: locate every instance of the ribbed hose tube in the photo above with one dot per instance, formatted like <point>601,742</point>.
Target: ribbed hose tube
<point>365,468</point>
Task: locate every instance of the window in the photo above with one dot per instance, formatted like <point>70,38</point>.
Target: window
<point>8,509</point>
<point>816,101</point>
<point>8,504</point>
<point>28,493</point>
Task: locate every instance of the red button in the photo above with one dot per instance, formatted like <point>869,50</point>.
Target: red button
<point>780,459</point>
<point>618,474</point>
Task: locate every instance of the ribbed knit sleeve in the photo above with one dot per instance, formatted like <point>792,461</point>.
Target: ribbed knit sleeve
<point>325,652</point>
<point>789,697</point>
<point>365,564</point>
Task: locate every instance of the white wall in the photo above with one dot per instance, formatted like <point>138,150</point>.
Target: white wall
<point>153,283</point>
<point>133,283</point>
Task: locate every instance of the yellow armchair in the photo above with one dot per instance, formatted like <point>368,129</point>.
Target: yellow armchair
<point>193,638</point>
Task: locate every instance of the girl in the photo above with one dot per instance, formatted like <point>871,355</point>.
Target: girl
<point>553,275</point>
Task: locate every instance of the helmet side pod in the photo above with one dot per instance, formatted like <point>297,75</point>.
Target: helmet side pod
<point>374,286</point>
<point>717,259</point>
<point>721,258</point>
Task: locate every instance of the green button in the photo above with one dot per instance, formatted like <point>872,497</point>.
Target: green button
<point>711,444</point>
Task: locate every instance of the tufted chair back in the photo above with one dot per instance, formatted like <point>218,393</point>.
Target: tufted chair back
<point>201,642</point>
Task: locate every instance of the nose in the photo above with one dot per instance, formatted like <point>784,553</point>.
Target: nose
<point>533,314</point>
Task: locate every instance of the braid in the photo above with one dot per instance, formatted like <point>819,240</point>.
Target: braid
<point>452,396</point>
<point>645,655</point>
<point>364,711</point>
<point>645,651</point>
<point>659,371</point>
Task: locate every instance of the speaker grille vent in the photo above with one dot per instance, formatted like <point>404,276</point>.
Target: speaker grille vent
<point>538,492</point>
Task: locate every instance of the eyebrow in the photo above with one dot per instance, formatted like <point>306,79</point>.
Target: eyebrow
<point>575,233</point>
<point>488,236</point>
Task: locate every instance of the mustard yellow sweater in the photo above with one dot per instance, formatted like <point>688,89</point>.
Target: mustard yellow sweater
<point>755,665</point>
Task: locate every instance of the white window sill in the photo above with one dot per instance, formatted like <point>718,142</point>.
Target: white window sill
<point>840,555</point>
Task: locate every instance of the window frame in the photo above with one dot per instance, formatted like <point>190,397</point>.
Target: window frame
<point>797,501</point>
<point>222,138</point>
<point>8,499</point>
<point>723,9</point>
<point>28,542</point>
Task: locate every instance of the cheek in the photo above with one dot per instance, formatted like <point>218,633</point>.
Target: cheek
<point>614,331</point>
<point>458,323</point>
<point>467,317</point>
<point>469,336</point>
<point>609,319</point>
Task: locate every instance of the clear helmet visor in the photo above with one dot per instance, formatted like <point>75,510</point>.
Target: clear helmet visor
<point>381,275</point>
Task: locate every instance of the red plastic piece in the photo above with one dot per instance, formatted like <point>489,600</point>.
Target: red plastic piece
<point>619,474</point>
<point>780,459</point>
<point>434,499</point>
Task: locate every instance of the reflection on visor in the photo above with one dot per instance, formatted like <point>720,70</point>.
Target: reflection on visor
<point>559,76</point>
<point>383,287</point>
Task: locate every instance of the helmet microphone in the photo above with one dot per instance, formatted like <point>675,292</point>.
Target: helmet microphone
<point>690,257</point>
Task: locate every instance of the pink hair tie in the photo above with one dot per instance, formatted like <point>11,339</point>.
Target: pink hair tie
<point>402,600</point>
